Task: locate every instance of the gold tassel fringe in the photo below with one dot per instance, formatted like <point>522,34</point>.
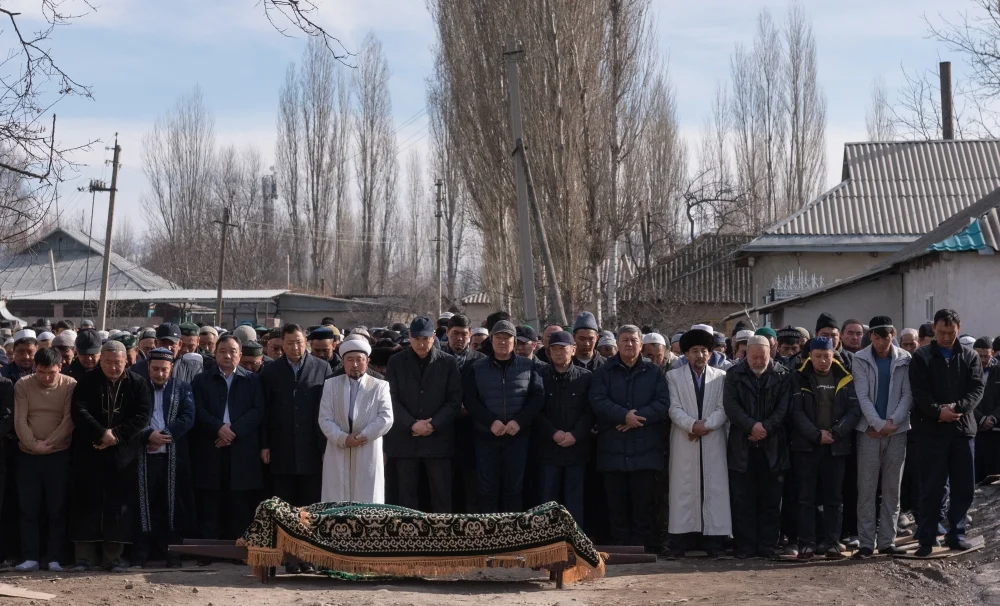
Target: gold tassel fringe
<point>538,557</point>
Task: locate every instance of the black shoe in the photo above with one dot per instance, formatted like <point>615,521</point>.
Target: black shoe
<point>307,568</point>
<point>806,553</point>
<point>924,551</point>
<point>291,569</point>
<point>862,554</point>
<point>891,550</point>
<point>959,544</point>
<point>742,555</point>
<point>833,553</point>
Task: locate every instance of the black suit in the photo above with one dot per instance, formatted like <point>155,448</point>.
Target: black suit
<point>432,390</point>
<point>229,476</point>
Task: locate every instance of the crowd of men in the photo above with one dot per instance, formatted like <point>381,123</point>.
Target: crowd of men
<point>120,443</point>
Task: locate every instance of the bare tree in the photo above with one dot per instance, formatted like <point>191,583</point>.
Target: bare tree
<point>878,114</point>
<point>126,241</point>
<point>806,109</point>
<point>417,204</point>
<point>289,163</point>
<point>375,164</point>
<point>177,159</point>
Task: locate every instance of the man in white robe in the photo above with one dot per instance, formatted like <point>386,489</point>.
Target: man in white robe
<point>699,476</point>
<point>354,413</point>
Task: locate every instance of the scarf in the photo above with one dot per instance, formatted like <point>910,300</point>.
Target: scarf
<point>169,416</point>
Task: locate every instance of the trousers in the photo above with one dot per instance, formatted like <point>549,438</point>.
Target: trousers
<point>944,460</point>
<point>820,471</point>
<point>438,479</point>
<point>630,507</point>
<point>43,480</point>
<point>880,464</point>
<point>564,485</point>
<point>500,464</point>
<point>755,500</point>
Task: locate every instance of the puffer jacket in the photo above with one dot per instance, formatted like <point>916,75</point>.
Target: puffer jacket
<point>749,401</point>
<point>936,381</point>
<point>614,391</point>
<point>866,385</point>
<point>846,411</point>
<point>494,393</point>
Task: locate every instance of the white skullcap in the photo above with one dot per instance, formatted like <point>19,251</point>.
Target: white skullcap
<point>104,335</point>
<point>704,327</point>
<point>758,340</point>
<point>66,338</point>
<point>967,341</point>
<point>355,345</point>
<point>8,342</point>
<point>479,330</point>
<point>245,333</point>
<point>46,336</point>
<point>654,338</point>
<point>208,330</point>
<point>446,316</point>
<point>742,336</point>
<point>24,334</point>
<point>112,333</point>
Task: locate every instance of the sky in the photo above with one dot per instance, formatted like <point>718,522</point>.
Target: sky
<point>139,56</point>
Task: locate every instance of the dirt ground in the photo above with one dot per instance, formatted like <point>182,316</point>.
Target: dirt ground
<point>972,578</point>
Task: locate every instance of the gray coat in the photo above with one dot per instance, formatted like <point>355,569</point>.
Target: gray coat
<point>900,397</point>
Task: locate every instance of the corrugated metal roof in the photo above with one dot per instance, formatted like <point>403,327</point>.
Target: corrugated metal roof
<point>77,265</point>
<point>479,298</point>
<point>899,188</point>
<point>154,296</point>
<point>701,272</point>
<point>957,230</point>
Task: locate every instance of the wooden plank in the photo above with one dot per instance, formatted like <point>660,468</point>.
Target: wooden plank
<point>224,552</point>
<point>10,591</point>
<point>620,548</point>
<point>617,559</point>
<point>208,542</point>
<point>938,553</point>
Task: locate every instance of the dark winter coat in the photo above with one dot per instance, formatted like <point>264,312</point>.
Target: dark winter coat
<point>935,381</point>
<point>103,483</point>
<point>246,412</point>
<point>989,406</point>
<point>748,401</point>
<point>435,394</point>
<point>615,390</point>
<point>494,393</point>
<point>596,362</point>
<point>291,421</point>
<point>13,372</point>
<point>76,370</point>
<point>846,411</point>
<point>567,408</point>
<point>464,442</point>
<point>7,435</point>
<point>180,489</point>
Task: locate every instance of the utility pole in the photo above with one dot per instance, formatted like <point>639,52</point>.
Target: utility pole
<point>437,185</point>
<point>222,263</point>
<point>511,56</point>
<point>96,186</point>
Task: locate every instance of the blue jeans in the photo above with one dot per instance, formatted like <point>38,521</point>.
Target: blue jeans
<point>945,461</point>
<point>567,481</point>
<point>500,466</point>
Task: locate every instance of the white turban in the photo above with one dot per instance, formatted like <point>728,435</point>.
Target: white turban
<point>704,327</point>
<point>25,334</point>
<point>355,345</point>
<point>654,338</point>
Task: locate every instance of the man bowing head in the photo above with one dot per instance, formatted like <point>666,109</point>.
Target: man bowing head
<point>354,413</point>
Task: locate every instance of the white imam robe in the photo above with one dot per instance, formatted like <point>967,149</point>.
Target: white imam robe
<point>690,462</point>
<point>354,474</point>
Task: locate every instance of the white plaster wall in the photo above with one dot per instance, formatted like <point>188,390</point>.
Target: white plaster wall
<point>881,296</point>
<point>967,282</point>
<point>831,266</point>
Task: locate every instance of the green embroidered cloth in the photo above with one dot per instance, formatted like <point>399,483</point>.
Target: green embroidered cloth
<point>363,538</point>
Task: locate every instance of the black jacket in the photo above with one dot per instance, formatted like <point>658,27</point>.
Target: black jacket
<point>7,435</point>
<point>846,410</point>
<point>596,362</point>
<point>291,421</point>
<point>435,394</point>
<point>615,390</point>
<point>749,401</point>
<point>76,370</point>
<point>989,406</point>
<point>567,408</point>
<point>245,399</point>
<point>103,483</point>
<point>936,381</point>
<point>464,442</point>
<point>494,393</point>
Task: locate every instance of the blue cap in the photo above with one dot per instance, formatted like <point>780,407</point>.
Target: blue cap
<point>820,343</point>
<point>422,326</point>
<point>526,333</point>
<point>561,338</point>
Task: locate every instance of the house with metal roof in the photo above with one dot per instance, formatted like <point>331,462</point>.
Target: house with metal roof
<point>953,266</point>
<point>891,195</point>
<point>59,277</point>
